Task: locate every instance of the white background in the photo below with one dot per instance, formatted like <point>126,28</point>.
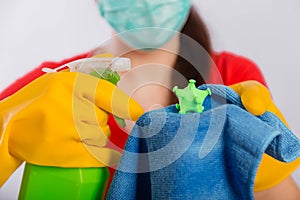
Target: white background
<point>267,32</point>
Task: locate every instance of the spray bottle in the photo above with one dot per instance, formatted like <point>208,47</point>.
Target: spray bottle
<point>51,182</point>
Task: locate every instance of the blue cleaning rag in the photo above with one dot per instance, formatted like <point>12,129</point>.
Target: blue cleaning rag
<point>210,155</point>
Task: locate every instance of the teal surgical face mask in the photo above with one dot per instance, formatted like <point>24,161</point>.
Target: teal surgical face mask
<point>145,24</point>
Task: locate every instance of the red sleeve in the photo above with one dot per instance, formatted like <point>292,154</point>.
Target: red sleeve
<point>35,73</point>
<point>234,69</point>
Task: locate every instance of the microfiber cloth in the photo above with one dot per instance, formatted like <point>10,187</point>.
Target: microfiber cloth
<point>210,155</point>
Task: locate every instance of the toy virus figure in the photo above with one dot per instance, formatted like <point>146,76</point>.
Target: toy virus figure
<point>190,98</point>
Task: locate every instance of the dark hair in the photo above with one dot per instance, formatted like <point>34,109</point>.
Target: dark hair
<point>195,47</point>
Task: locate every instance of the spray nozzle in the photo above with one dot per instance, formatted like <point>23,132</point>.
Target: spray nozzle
<point>94,65</point>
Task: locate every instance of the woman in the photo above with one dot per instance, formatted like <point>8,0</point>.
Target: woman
<point>180,52</point>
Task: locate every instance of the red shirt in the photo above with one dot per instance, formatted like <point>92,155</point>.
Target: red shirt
<point>231,68</point>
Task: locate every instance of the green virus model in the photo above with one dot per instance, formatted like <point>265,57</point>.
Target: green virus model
<point>190,98</point>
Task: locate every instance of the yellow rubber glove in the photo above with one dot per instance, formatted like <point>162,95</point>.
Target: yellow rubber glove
<point>60,119</point>
<point>257,99</point>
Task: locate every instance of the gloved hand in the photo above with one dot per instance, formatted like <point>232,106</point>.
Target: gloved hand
<point>60,119</point>
<point>257,99</point>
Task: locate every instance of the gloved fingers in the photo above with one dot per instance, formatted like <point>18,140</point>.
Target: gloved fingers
<point>86,111</point>
<point>115,101</point>
<point>92,134</point>
<point>102,116</point>
<point>255,97</point>
<point>107,97</point>
<point>90,122</point>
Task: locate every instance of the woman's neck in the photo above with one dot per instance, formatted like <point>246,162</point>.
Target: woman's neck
<point>166,55</point>
<point>149,80</point>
